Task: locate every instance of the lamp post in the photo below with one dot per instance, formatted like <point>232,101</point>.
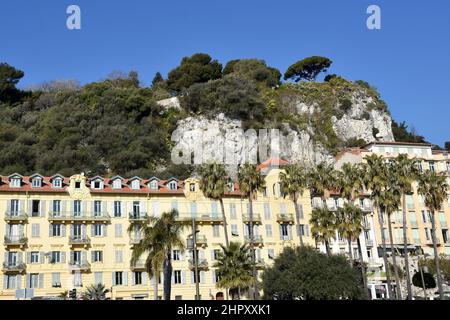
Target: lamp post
<point>192,244</point>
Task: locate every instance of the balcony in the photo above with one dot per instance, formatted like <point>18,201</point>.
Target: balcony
<point>17,267</point>
<point>16,217</point>
<point>443,224</point>
<point>57,216</point>
<point>366,208</point>
<point>260,263</point>
<point>15,240</point>
<point>79,240</point>
<point>257,240</point>
<point>369,243</point>
<point>256,218</point>
<point>134,240</point>
<point>413,224</point>
<point>79,265</point>
<point>366,224</point>
<point>138,266</point>
<point>209,219</point>
<point>201,240</point>
<point>138,217</point>
<point>285,218</point>
<point>399,240</point>
<point>202,264</point>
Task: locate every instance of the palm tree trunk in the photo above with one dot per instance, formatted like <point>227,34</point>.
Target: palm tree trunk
<point>350,253</point>
<point>252,248</point>
<point>386,264</point>
<point>436,256</point>
<point>405,248</point>
<point>225,226</point>
<point>155,287</point>
<point>363,268</point>
<point>327,248</point>
<point>297,214</point>
<point>397,279</point>
<point>168,276</point>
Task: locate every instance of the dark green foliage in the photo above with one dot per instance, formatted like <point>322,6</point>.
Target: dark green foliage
<point>237,98</point>
<point>428,279</point>
<point>157,79</point>
<point>345,104</point>
<point>402,134</point>
<point>9,77</point>
<point>304,273</point>
<point>375,131</point>
<point>255,70</point>
<point>355,143</point>
<point>447,145</point>
<point>197,68</point>
<point>307,69</point>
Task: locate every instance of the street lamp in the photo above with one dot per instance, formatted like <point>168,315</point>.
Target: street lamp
<point>192,245</point>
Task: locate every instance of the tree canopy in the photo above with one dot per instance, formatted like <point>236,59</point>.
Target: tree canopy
<point>304,273</point>
<point>197,68</point>
<point>253,69</point>
<point>9,77</point>
<point>307,69</point>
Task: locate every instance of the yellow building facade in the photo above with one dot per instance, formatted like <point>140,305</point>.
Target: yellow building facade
<point>63,233</point>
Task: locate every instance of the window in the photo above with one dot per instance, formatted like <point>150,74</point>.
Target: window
<point>266,211</point>
<point>233,210</point>
<point>177,277</point>
<point>135,185</point>
<point>77,208</point>
<point>118,278</point>
<point>268,230</point>
<point>15,183</point>
<point>191,187</point>
<point>119,256</point>
<point>15,207</point>
<point>136,209</point>
<point>35,205</point>
<point>34,281</point>
<point>172,185</point>
<point>118,230</point>
<point>97,256</point>
<point>284,232</point>
<point>264,192</point>
<point>36,182</point>
<point>98,230</point>
<point>98,184</point>
<point>56,207</point>
<point>57,183</point>
<point>427,234</point>
<point>431,165</point>
<point>77,184</point>
<point>97,208</point>
<point>35,230</point>
<point>56,280</point>
<point>194,277</point>
<point>11,282</point>
<point>98,277</point>
<point>424,216</point>
<point>216,231</point>
<point>55,257</point>
<point>176,255</point>
<point>420,167</point>
<point>154,185</point>
<point>271,254</point>
<point>117,184</point>
<point>216,253</point>
<point>55,230</point>
<point>77,279</point>
<point>234,230</point>
<point>34,257</point>
<point>137,278</point>
<point>117,209</point>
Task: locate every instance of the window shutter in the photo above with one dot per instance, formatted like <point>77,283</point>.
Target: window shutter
<point>19,281</point>
<point>8,205</point>
<point>20,257</point>
<point>92,230</point>
<point>290,231</point>
<point>64,207</point>
<point>63,257</point>
<point>30,207</point>
<point>41,257</point>
<point>125,278</point>
<point>123,209</point>
<point>212,255</point>
<point>144,278</point>
<point>92,256</point>
<point>50,233</point>
<point>152,280</point>
<point>105,230</point>
<point>83,230</point>
<point>5,281</point>
<point>281,232</point>
<point>202,276</point>
<point>63,230</point>
<point>113,278</point>
<point>41,280</point>
<point>28,281</point>
<point>28,257</point>
<point>213,274</point>
<point>71,230</point>
<point>173,278</point>
<point>42,208</point>
<point>183,277</point>
<point>192,277</point>
<point>22,205</point>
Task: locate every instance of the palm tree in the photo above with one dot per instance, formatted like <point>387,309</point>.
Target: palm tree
<point>323,226</point>
<point>95,292</point>
<point>351,183</point>
<point>374,177</point>
<point>321,180</point>
<point>293,183</point>
<point>433,187</point>
<point>405,172</point>
<point>349,224</point>
<point>235,269</point>
<point>159,237</point>
<point>390,203</point>
<point>213,184</point>
<point>250,182</point>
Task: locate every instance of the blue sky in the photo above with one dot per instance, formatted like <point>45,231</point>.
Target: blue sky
<point>407,60</point>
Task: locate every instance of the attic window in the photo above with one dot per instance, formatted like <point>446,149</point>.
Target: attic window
<point>77,184</point>
<point>36,183</point>
<point>135,184</point>
<point>57,183</point>
<point>117,184</point>
<point>231,186</point>
<point>15,183</point>
<point>172,185</point>
<point>192,187</point>
<point>97,184</point>
<point>154,185</point>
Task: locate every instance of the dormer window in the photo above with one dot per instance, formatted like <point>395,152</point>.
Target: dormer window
<point>36,183</point>
<point>15,183</point>
<point>117,184</point>
<point>231,186</point>
<point>57,183</point>
<point>153,185</point>
<point>97,184</point>
<point>135,184</point>
<point>172,185</point>
<point>191,187</point>
<point>77,185</point>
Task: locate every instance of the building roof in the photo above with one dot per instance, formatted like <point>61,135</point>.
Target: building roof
<point>271,163</point>
<point>394,143</point>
